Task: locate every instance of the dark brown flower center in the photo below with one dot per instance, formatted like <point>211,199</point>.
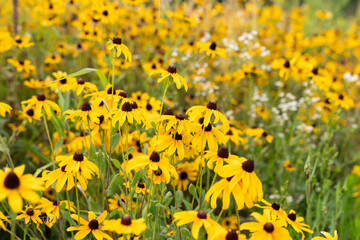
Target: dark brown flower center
<point>85,107</point>
<point>341,97</point>
<point>63,81</point>
<point>111,91</point>
<point>208,128</point>
<point>223,152</point>
<point>18,41</point>
<point>178,136</point>
<point>168,111</point>
<point>94,224</point>
<point>134,105</point>
<point>248,166</point>
<point>292,217</point>
<point>81,81</point>
<point>171,69</point>
<point>78,156</point>
<point>211,105</point>
<point>183,175</point>
<point>275,206</point>
<point>117,40</point>
<point>158,172</point>
<point>123,94</point>
<point>126,107</point>
<point>126,220</point>
<point>63,168</point>
<point>21,62</point>
<point>30,212</point>
<point>148,107</point>
<point>55,203</point>
<point>141,185</point>
<point>12,181</point>
<point>30,112</point>
<point>269,227</point>
<point>105,13</point>
<point>201,215</point>
<point>101,119</point>
<point>287,64</point>
<point>230,133</point>
<point>264,134</point>
<point>41,97</point>
<point>232,235</point>
<point>180,116</point>
<point>315,71</point>
<point>213,46</point>
<point>155,157</point>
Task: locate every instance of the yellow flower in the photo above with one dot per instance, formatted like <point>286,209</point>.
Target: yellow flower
<point>14,186</point>
<point>30,213</point>
<point>61,176</point>
<point>171,72</point>
<point>327,236</point>
<point>187,172</point>
<point>288,166</point>
<point>125,113</point>
<point>22,65</point>
<point>218,158</point>
<point>3,217</point>
<point>120,48</point>
<point>86,113</point>
<point>266,227</point>
<point>22,42</point>
<point>125,225</point>
<point>297,224</point>
<point>92,225</point>
<point>53,207</point>
<point>211,49</point>
<point>4,108</point>
<point>38,103</point>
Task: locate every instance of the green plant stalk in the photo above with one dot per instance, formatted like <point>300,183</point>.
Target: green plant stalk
<point>68,199</point>
<point>77,199</point>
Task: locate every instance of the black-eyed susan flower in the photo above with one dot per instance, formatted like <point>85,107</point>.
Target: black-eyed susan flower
<point>22,42</point>
<point>22,65</point>
<point>30,213</point>
<point>61,176</point>
<point>125,225</point>
<point>219,158</point>
<point>297,224</point>
<point>211,137</point>
<point>83,86</point>
<point>78,162</point>
<point>85,113</point>
<point>222,188</point>
<point>327,236</point>
<point>53,207</point>
<point>52,59</point>
<point>177,122</point>
<point>230,222</point>
<point>62,82</point>
<point>266,227</point>
<point>173,143</point>
<point>171,72</point>
<point>223,234</point>
<point>341,99</point>
<point>116,43</point>
<point>15,186</point>
<point>274,209</point>
<point>4,108</point>
<point>207,112</point>
<point>288,166</point>
<point>125,114</point>
<point>93,225</point>
<point>140,188</point>
<point>154,162</point>
<point>211,49</point>
<point>197,218</point>
<point>187,172</point>
<point>244,170</point>
<point>38,103</point>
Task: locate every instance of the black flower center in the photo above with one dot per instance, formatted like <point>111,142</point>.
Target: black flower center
<point>264,134</point>
<point>148,107</point>
<point>178,136</point>
<point>30,112</point>
<point>341,97</point>
<point>232,235</point>
<point>315,71</point>
<point>180,116</point>
<point>287,64</point>
<point>126,107</point>
<point>63,81</point>
<point>168,111</point>
<point>94,224</point>
<point>78,156</point>
<point>134,105</point>
<point>41,97</point>
<point>292,217</point>
<point>21,62</point>
<point>268,227</point>
<point>183,175</point>
<point>123,94</point>
<point>201,215</point>
<point>111,91</point>
<point>248,166</point>
<point>81,81</point>
<point>126,220</point>
<point>223,152</point>
<point>11,181</point>
<point>105,13</point>
<point>18,41</point>
<point>117,40</point>
<point>230,133</point>
<point>171,69</point>
<point>275,206</point>
<point>141,185</point>
<point>213,46</point>
<point>85,107</point>
<point>211,105</point>
<point>55,203</point>
<point>30,212</point>
<point>101,119</point>
<point>158,172</point>
<point>208,128</point>
<point>153,66</point>
<point>155,157</point>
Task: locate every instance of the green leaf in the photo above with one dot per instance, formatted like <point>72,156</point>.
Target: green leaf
<point>67,216</point>
<point>101,75</point>
<point>179,196</point>
<point>115,140</point>
<point>115,182</point>
<point>116,163</point>
<point>59,144</point>
<point>192,191</point>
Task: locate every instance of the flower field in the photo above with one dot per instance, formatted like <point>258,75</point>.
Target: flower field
<point>142,119</point>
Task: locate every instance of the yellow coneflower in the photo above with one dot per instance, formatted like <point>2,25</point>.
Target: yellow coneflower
<point>82,86</point>
<point>38,103</point>
<point>85,113</point>
<point>78,162</point>
<point>177,122</point>
<point>211,49</point>
<point>199,219</point>
<point>207,112</point>
<point>22,65</point>
<point>15,186</point>
<point>288,166</point>
<point>90,226</point>
<point>220,233</point>
<point>297,224</point>
<point>4,108</point>
<point>171,72</point>
<point>116,43</point>
<point>22,42</point>
<point>274,209</point>
<point>125,225</point>
<point>219,158</point>
<point>125,113</point>
<point>187,172</point>
<point>266,227</point>
<point>230,222</point>
<point>211,137</point>
<point>53,207</point>
<point>61,176</point>
<point>173,143</point>
<point>30,213</point>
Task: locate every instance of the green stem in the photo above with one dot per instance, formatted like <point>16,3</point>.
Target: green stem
<point>68,199</point>
<point>77,199</point>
